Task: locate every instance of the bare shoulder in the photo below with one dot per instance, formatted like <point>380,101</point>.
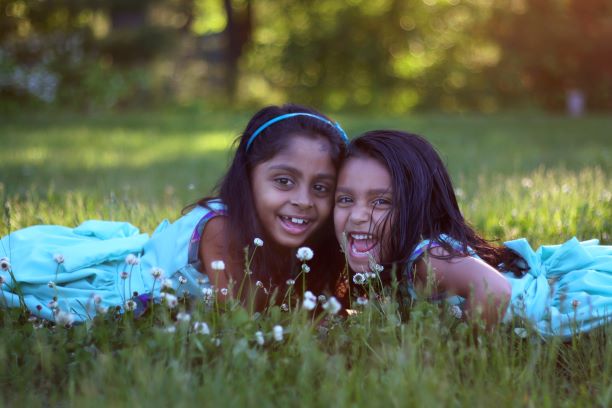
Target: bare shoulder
<point>214,238</point>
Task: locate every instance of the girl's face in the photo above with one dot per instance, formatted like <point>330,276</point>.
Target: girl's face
<point>293,191</point>
<point>363,203</point>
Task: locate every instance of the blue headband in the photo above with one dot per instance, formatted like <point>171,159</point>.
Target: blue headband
<point>290,115</point>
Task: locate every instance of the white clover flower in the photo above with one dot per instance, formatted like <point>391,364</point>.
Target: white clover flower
<point>321,298</point>
<point>59,258</point>
<point>278,332</point>
<point>130,305</point>
<point>132,259</point>
<point>157,272</point>
<point>456,311</point>
<point>370,275</point>
<point>259,284</point>
<point>217,265</point>
<point>284,307</point>
<point>310,300</point>
<point>359,278</point>
<point>52,304</point>
<point>124,275</point>
<point>377,268</point>
<point>182,280</point>
<point>183,317</point>
<point>224,291</point>
<point>362,300</point>
<point>101,309</point>
<point>166,284</point>
<point>304,254</point>
<point>305,268</point>
<point>201,328</point>
<point>170,329</point>
<point>171,300</point>
<point>5,263</point>
<point>2,280</point>
<point>259,338</point>
<point>64,318</point>
<point>290,282</point>
<point>202,281</point>
<point>258,242</point>
<point>51,284</point>
<point>332,305</point>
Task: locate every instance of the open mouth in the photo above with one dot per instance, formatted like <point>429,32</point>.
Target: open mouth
<point>361,244</point>
<point>294,225</point>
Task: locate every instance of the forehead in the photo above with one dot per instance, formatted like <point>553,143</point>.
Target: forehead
<point>304,151</point>
<point>365,173</point>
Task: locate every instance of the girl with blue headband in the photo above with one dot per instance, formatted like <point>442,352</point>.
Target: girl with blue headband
<point>395,210</point>
<point>276,196</point>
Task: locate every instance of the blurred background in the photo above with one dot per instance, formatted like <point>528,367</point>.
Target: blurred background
<point>382,55</point>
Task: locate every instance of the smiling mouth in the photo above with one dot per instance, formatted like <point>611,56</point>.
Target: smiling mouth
<point>361,244</point>
<point>294,225</point>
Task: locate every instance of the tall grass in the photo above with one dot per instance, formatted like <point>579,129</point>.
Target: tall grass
<point>544,178</point>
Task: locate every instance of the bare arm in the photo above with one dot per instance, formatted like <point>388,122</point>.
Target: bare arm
<point>485,290</point>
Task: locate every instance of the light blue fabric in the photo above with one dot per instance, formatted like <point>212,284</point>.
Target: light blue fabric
<point>567,290</point>
<point>94,256</point>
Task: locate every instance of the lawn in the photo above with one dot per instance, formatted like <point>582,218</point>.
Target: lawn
<point>543,177</point>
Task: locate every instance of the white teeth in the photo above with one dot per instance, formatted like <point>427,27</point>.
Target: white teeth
<point>297,220</point>
<point>361,236</point>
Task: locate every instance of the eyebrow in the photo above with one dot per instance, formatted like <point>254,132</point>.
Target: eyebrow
<point>376,191</point>
<point>299,173</point>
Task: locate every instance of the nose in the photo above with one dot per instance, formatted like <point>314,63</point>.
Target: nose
<point>360,214</point>
<point>302,199</point>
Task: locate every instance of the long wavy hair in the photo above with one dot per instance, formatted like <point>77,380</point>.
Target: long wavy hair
<point>424,202</point>
<point>273,265</point>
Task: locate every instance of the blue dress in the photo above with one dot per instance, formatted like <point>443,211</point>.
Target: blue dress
<point>94,265</point>
<point>567,290</point>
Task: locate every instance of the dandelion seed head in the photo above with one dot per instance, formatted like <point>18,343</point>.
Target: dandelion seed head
<point>277,331</point>
<point>332,305</point>
<point>258,242</point>
<point>309,304</point>
<point>217,265</point>
<point>59,258</point>
<point>304,254</point>
<point>259,338</point>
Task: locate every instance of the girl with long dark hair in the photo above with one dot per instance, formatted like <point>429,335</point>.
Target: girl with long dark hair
<point>396,209</point>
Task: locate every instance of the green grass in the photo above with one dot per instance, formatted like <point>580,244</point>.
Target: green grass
<point>545,178</point>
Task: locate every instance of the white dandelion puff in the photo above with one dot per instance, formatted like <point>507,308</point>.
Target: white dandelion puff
<point>304,254</point>
<point>5,263</point>
<point>59,258</point>
<point>258,242</point>
<point>259,338</point>
<point>157,272</point>
<point>132,259</point>
<point>310,300</point>
<point>359,278</point>
<point>201,328</point>
<point>278,332</point>
<point>217,265</point>
<point>332,305</point>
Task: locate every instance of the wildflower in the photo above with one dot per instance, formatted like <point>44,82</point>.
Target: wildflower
<point>59,258</point>
<point>305,268</point>
<point>456,311</point>
<point>359,278</point>
<point>310,300</point>
<point>51,284</point>
<point>321,298</point>
<point>216,341</point>
<point>202,281</point>
<point>132,259</point>
<point>130,305</point>
<point>39,307</point>
<point>97,299</point>
<point>166,284</point>
<point>278,332</point>
<point>157,272</point>
<point>171,300</point>
<point>217,265</point>
<point>182,280</point>
<point>124,275</point>
<point>183,317</point>
<point>259,338</point>
<point>224,291</point>
<point>377,268</point>
<point>284,307</point>
<point>332,305</point>
<point>362,300</point>
<point>290,282</point>
<point>209,294</point>
<point>170,329</point>
<point>304,254</point>
<point>52,304</point>
<point>575,304</point>
<point>5,264</point>
<point>2,280</point>
<point>258,242</point>
<point>101,309</point>
<point>370,275</point>
<point>259,284</point>
<point>64,318</point>
<point>201,328</point>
